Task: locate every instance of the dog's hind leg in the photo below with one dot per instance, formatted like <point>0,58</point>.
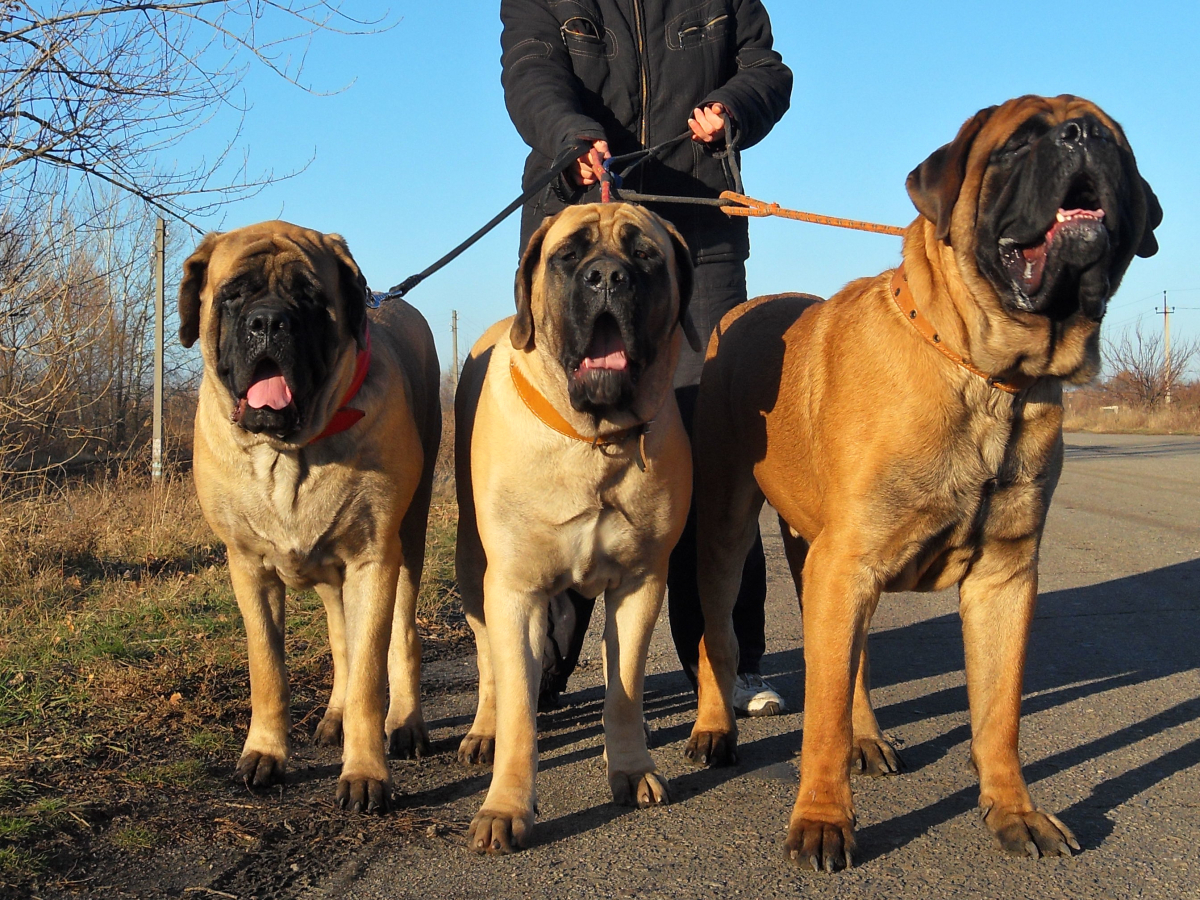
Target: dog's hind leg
<point>630,612</point>
<point>329,731</point>
<point>479,744</point>
<point>405,726</point>
<point>728,501</point>
<point>873,754</point>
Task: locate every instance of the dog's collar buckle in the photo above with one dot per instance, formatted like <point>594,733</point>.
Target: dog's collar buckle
<point>902,294</point>
<point>545,413</point>
<point>346,415</point>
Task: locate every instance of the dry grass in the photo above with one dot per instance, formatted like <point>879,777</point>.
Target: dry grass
<point>1093,409</point>
<point>122,660</point>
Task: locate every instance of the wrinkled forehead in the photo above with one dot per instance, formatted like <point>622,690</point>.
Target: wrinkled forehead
<point>610,225</point>
<point>264,261</point>
<point>1039,113</point>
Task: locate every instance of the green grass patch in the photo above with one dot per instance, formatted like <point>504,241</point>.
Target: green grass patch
<point>204,741</point>
<point>17,865</point>
<point>185,773</point>
<point>16,828</point>
<point>135,837</point>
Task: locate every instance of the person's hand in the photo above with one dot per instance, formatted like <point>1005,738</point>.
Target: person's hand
<point>707,123</point>
<point>589,168</point>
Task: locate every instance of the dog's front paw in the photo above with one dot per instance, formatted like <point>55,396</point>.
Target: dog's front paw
<point>261,770</point>
<point>496,833</point>
<point>875,756</point>
<point>1034,833</point>
<point>361,794</point>
<point>712,748</point>
<point>640,789</point>
<point>329,731</point>
<point>409,741</point>
<point>820,846</point>
<point>477,749</point>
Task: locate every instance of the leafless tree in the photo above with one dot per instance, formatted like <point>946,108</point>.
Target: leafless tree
<point>1141,376</point>
<point>104,88</point>
<point>94,96</point>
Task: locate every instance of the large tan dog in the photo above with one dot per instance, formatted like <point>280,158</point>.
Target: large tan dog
<point>315,441</point>
<point>909,434</point>
<point>574,472</point>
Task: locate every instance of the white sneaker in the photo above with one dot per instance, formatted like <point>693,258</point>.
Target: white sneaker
<point>754,697</point>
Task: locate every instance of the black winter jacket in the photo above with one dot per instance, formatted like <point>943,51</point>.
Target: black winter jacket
<point>631,72</point>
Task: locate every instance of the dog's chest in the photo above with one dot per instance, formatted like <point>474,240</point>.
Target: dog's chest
<point>293,516</point>
<point>606,518</point>
<point>994,485</point>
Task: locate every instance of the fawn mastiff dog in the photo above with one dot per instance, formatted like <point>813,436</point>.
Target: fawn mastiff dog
<point>574,472</point>
<point>315,440</point>
<point>909,433</point>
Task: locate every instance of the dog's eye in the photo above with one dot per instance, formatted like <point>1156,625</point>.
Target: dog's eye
<point>569,256</point>
<point>641,254</point>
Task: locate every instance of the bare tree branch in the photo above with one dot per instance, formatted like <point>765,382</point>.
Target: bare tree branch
<point>1138,363</point>
<point>104,88</point>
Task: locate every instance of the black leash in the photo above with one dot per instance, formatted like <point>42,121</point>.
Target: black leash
<point>614,175</point>
<point>612,181</point>
<point>563,162</point>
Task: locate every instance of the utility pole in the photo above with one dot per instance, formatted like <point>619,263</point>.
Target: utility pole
<point>454,337</point>
<point>1166,311</point>
<point>160,274</point>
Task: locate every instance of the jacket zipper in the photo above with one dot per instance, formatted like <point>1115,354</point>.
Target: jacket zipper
<point>641,40</point>
<point>685,32</point>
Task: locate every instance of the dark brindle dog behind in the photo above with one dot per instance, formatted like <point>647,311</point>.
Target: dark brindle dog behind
<point>909,434</point>
<point>316,435</point>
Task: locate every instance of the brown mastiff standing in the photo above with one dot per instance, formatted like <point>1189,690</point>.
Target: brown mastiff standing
<point>315,441</point>
<point>574,473</point>
<point>909,434</point>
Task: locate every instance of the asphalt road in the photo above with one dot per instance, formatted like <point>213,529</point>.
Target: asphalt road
<point>1110,738</point>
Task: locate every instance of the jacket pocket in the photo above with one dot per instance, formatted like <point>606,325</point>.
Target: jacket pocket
<point>583,30</point>
<point>705,23</point>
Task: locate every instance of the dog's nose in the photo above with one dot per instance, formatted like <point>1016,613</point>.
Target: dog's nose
<point>1073,132</point>
<point>267,321</point>
<point>606,274</point>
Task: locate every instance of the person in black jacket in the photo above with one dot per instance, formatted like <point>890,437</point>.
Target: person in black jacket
<point>627,75</point>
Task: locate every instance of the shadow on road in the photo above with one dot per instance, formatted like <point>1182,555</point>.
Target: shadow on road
<point>1086,642</point>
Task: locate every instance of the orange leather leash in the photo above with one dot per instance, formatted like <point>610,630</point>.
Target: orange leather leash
<point>552,419</point>
<point>748,206</point>
<point>346,416</point>
<point>902,294</point>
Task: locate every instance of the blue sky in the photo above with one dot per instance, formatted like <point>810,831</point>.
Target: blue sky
<point>418,151</point>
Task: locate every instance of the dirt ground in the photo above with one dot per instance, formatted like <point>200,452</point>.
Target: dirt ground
<point>1110,738</point>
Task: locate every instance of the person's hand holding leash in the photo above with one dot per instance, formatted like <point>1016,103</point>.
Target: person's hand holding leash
<point>708,123</point>
<point>590,168</point>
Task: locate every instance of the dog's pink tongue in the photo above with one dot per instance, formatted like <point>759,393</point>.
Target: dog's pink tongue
<point>607,350</point>
<point>272,391</point>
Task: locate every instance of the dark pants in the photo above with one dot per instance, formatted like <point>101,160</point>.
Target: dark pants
<point>719,287</point>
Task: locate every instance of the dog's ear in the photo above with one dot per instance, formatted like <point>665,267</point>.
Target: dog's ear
<point>934,185</point>
<point>353,287</point>
<point>195,271</point>
<point>1154,215</point>
<point>521,333</point>
<point>685,276</point>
